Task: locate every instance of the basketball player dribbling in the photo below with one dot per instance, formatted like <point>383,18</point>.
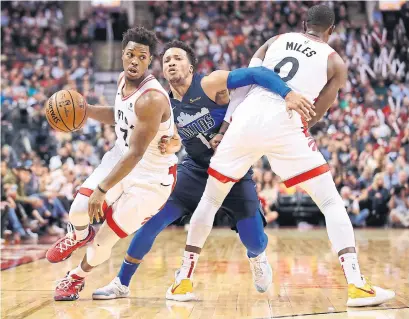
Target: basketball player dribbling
<point>261,126</point>
<point>201,115</point>
<point>134,178</point>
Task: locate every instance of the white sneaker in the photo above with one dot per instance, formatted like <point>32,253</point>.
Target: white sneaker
<point>113,290</point>
<point>262,272</point>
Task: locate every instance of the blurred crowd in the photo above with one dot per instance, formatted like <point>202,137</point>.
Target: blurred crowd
<point>40,168</point>
<point>364,137</point>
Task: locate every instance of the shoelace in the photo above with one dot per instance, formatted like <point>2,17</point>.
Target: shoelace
<point>68,241</point>
<point>65,283</point>
<point>258,271</point>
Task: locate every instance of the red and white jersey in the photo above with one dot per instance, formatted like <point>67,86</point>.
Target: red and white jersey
<point>125,122</point>
<point>301,60</point>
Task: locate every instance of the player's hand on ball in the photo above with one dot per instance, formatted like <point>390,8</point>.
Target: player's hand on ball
<point>95,203</point>
<point>296,102</point>
<point>215,141</point>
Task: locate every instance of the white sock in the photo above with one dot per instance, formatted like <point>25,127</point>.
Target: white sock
<point>188,265</point>
<point>350,265</point>
<point>79,272</point>
<point>81,234</point>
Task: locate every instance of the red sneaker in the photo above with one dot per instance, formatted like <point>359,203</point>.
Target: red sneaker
<point>68,288</point>
<point>65,246</point>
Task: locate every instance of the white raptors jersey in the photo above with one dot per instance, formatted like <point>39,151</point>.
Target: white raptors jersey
<point>301,61</point>
<point>125,121</point>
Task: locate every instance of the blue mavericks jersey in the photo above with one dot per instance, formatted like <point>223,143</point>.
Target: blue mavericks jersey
<point>198,119</point>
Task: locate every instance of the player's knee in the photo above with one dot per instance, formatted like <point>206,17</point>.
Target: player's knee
<point>255,243</point>
<point>101,248</point>
<point>79,211</point>
<point>216,191</point>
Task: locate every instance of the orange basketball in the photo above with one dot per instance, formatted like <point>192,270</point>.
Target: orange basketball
<point>66,111</point>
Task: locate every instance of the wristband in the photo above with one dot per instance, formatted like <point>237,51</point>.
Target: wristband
<point>101,190</point>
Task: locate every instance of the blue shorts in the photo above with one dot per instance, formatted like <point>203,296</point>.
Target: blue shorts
<point>242,201</point>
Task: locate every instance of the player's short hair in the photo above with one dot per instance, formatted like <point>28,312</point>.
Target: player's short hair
<point>320,17</point>
<point>142,36</point>
<point>185,47</point>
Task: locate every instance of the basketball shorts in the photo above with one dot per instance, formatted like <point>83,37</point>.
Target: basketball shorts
<point>134,200</point>
<point>242,201</point>
<point>261,126</point>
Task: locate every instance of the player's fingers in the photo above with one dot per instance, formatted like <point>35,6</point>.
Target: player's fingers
<point>308,102</point>
<point>309,106</point>
<point>102,212</point>
<point>299,108</point>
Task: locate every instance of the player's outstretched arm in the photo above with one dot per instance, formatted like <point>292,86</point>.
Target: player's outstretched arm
<point>337,75</point>
<point>149,109</point>
<point>101,113</point>
<point>262,76</point>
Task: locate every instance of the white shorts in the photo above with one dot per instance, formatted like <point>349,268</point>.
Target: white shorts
<point>261,126</point>
<point>134,200</point>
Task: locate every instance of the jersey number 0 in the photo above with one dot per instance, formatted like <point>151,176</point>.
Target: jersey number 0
<point>294,67</point>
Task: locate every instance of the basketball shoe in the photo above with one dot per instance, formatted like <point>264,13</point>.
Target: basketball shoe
<point>368,295</point>
<point>262,272</point>
<point>68,288</point>
<point>115,289</point>
<point>66,245</point>
<point>181,289</point>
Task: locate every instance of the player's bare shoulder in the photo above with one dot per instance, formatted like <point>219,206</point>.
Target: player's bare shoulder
<point>153,101</point>
<point>337,68</point>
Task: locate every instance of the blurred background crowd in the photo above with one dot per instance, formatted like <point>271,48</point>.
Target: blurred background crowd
<point>364,137</point>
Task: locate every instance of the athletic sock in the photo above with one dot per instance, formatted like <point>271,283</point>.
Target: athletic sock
<point>350,265</point>
<point>127,271</point>
<point>188,265</point>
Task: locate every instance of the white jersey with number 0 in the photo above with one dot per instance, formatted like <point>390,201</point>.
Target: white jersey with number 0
<point>301,60</point>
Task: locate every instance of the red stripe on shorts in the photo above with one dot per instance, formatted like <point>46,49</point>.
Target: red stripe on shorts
<point>307,175</point>
<point>220,177</point>
<point>113,225</point>
<point>108,212</point>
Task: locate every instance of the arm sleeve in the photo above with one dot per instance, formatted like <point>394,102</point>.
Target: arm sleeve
<point>238,95</point>
<point>259,75</point>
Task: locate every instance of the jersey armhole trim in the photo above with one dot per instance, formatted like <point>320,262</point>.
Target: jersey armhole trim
<point>332,53</point>
<point>167,98</point>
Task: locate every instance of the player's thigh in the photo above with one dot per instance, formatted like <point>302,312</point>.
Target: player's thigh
<point>189,187</point>
<point>235,154</point>
<point>296,158</point>
<point>108,162</point>
<point>136,206</point>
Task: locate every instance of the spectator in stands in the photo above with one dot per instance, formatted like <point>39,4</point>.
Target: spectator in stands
<point>352,204</point>
<point>378,198</point>
<point>399,206</point>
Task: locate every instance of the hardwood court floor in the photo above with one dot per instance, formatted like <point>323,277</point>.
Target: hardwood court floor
<point>308,281</point>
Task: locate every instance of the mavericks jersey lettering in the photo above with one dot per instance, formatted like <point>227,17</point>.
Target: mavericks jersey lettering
<point>198,119</point>
<point>125,121</point>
